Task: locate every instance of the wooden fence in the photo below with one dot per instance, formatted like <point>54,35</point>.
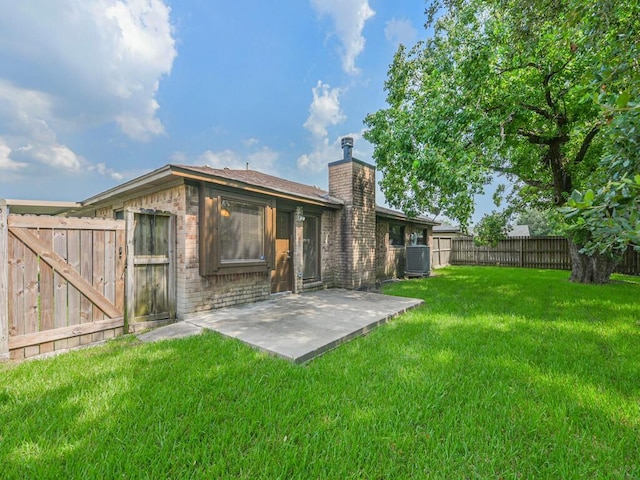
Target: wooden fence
<point>441,251</point>
<point>61,282</point>
<point>66,282</point>
<point>532,252</point>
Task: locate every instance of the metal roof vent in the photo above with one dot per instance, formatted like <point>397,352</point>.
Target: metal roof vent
<point>347,148</point>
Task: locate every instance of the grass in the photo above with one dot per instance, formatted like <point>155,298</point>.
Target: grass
<point>503,373</point>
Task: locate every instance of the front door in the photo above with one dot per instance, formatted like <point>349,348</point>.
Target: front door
<point>281,275</point>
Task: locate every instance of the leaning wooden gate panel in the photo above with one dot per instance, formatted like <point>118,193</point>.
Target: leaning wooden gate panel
<point>65,282</point>
<point>150,268</point>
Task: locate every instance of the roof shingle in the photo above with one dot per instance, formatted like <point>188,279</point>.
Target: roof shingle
<point>259,179</point>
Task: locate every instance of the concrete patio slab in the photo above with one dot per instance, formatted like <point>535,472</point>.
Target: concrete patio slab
<point>301,327</point>
<point>175,330</point>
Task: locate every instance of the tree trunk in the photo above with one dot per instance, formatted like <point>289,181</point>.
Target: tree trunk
<point>590,269</point>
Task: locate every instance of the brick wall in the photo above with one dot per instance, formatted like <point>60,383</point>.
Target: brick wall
<point>195,293</point>
<point>391,260</point>
<point>354,182</point>
<point>330,255</point>
<point>205,293</point>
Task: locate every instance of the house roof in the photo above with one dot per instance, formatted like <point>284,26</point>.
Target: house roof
<point>38,207</point>
<point>248,180</point>
<point>276,184</point>
<point>519,231</point>
<point>395,215</point>
<point>445,228</point>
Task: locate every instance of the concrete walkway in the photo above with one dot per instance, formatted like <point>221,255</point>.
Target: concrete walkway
<point>297,327</point>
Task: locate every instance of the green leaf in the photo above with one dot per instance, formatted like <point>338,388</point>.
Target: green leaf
<point>623,99</point>
<point>576,196</point>
<point>588,197</point>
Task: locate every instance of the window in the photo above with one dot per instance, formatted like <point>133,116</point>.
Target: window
<point>236,232</point>
<point>241,231</point>
<point>311,248</point>
<point>419,237</point>
<point>396,235</point>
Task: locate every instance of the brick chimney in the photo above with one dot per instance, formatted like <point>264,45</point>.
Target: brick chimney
<point>354,181</point>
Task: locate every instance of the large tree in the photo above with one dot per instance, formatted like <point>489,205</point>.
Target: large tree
<point>500,87</point>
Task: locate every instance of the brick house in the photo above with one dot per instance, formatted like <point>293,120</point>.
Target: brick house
<point>242,235</point>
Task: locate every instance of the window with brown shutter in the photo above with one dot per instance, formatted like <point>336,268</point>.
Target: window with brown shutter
<point>236,232</point>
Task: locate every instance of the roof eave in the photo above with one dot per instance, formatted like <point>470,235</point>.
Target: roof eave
<point>170,171</point>
<point>402,217</point>
<point>38,207</point>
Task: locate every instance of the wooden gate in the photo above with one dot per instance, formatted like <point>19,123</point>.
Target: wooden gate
<point>61,282</point>
<point>150,268</point>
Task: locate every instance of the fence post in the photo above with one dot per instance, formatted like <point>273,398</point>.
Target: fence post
<point>521,245</point>
<point>4,280</point>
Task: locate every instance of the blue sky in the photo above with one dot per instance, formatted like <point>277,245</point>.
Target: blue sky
<point>93,93</point>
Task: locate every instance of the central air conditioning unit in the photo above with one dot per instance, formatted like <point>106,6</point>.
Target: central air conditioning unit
<point>418,261</point>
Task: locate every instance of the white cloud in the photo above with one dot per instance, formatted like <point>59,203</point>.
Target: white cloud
<point>57,156</point>
<point>324,110</point>
<point>318,159</point>
<point>400,31</point>
<point>325,152</point>
<point>102,169</point>
<point>6,163</point>
<point>78,64</point>
<point>262,160</point>
<point>349,18</point>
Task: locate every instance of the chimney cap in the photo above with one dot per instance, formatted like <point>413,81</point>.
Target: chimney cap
<point>347,142</point>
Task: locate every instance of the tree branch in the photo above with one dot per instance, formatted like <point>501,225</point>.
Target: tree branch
<point>519,67</point>
<point>530,182</point>
<point>540,111</point>
<point>586,143</point>
<point>547,79</point>
<point>541,140</point>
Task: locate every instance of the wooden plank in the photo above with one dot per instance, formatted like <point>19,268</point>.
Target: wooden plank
<point>31,351</point>
<point>64,223</point>
<point>98,270</point>
<point>16,286</point>
<point>31,320</point>
<point>46,285</point>
<point>4,281</point>
<point>37,338</point>
<point>86,271</point>
<point>142,293</point>
<point>60,299</point>
<point>110,266</point>
<point>120,269</point>
<point>130,271</point>
<point>160,283</point>
<point>151,260</point>
<point>61,266</point>
<point>73,294</point>
<point>171,268</point>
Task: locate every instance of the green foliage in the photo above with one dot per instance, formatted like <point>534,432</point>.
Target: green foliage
<point>604,216</point>
<point>503,373</point>
<point>498,88</point>
<point>491,229</point>
<point>541,222</point>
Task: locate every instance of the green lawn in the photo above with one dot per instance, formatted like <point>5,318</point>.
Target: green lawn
<point>503,373</point>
